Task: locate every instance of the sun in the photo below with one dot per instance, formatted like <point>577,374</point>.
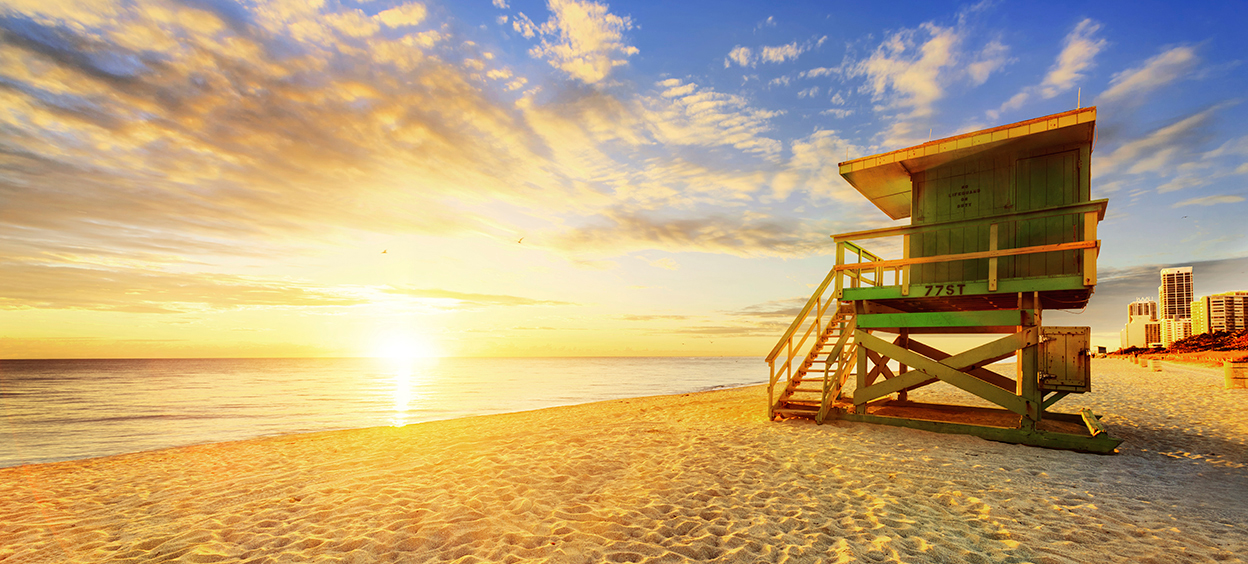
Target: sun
<point>405,347</point>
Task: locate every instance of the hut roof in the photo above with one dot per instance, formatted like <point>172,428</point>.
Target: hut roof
<point>885,178</point>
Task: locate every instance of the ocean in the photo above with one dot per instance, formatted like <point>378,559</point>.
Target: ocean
<point>53,410</point>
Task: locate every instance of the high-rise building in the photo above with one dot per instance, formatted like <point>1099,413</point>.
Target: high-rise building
<point>1174,295</point>
<point>1141,331</point>
<point>1220,312</point>
<point>1142,306</point>
<point>1175,330</point>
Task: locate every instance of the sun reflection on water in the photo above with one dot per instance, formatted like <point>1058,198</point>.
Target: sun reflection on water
<point>410,376</point>
<point>410,361</point>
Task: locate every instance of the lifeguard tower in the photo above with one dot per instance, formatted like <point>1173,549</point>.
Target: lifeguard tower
<point>1002,228</point>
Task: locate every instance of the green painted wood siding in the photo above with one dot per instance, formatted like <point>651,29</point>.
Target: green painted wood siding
<point>999,185</point>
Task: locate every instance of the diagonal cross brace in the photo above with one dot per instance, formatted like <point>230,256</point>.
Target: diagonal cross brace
<point>950,370</point>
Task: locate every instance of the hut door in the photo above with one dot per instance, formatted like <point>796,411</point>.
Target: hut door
<point>1043,182</point>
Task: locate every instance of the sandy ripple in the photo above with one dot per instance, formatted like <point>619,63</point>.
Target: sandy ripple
<point>700,477</point>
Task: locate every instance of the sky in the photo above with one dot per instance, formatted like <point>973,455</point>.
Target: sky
<point>215,178</point>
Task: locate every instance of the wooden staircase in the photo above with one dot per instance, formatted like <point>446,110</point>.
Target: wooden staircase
<point>820,378</point>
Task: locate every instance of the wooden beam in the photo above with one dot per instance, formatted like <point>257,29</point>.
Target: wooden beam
<point>1094,425</point>
<point>989,318</point>
<point>946,373</point>
<point>1101,444</point>
<point>881,367</point>
<point>1049,401</point>
<point>1073,246</point>
<point>907,381</point>
<point>969,364</point>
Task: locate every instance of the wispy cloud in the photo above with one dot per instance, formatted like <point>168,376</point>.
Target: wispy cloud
<point>472,299</point>
<point>912,69</point>
<point>1210,201</point>
<point>1134,84</point>
<point>138,290</point>
<point>1079,50</point>
<point>751,56</point>
<point>1163,148</point>
<point>582,39</point>
<point>785,308</point>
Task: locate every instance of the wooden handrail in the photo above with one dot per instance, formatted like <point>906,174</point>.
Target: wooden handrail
<point>969,256</point>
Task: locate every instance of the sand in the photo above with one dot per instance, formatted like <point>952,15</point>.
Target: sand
<point>697,477</point>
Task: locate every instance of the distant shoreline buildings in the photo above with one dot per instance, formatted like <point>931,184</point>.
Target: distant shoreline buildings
<point>1176,316</point>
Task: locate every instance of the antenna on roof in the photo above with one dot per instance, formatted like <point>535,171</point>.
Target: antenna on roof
<point>929,134</point>
<point>1079,99</point>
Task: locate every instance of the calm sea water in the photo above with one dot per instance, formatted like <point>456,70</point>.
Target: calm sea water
<point>53,410</point>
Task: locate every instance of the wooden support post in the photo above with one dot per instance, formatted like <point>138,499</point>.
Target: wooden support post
<point>1028,367</point>
<point>1089,255</point>
<point>904,341</point>
<point>860,407</point>
<point>992,262</point>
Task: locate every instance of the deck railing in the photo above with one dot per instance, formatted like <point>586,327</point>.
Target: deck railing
<point>873,271</point>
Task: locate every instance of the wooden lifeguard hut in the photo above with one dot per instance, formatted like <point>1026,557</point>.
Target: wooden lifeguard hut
<point>1002,228</point>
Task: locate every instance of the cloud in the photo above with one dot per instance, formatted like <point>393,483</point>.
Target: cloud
<point>990,59</point>
<point>1162,149</point>
<point>1210,201</point>
<point>1133,84</point>
<point>138,290</point>
<point>621,231</point>
<point>742,56</point>
<point>666,263</point>
<point>750,57</point>
<point>1079,49</point>
<point>786,308</point>
<point>472,299</point>
<point>405,15</point>
<point>781,53</point>
<point>912,69</point>
<point>656,317</point>
<point>686,114</point>
<point>582,39</point>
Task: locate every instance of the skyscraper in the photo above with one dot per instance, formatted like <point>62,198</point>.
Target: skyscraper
<point>1220,312</point>
<point>1174,295</point>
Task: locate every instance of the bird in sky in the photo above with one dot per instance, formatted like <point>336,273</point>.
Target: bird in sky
<point>383,252</point>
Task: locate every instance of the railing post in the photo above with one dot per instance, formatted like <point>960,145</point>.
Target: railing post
<point>818,318</point>
<point>857,279</point>
<point>789,365</point>
<point>771,394</point>
<point>1089,255</point>
<point>840,259</point>
<point>905,270</point>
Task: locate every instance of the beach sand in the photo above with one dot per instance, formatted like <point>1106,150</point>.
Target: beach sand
<point>696,477</point>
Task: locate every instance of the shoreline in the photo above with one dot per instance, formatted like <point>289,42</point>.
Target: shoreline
<point>689,477</point>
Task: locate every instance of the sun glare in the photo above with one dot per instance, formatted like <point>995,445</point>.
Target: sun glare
<point>405,347</point>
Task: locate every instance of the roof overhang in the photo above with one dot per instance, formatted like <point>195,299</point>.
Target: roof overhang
<point>885,178</point>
